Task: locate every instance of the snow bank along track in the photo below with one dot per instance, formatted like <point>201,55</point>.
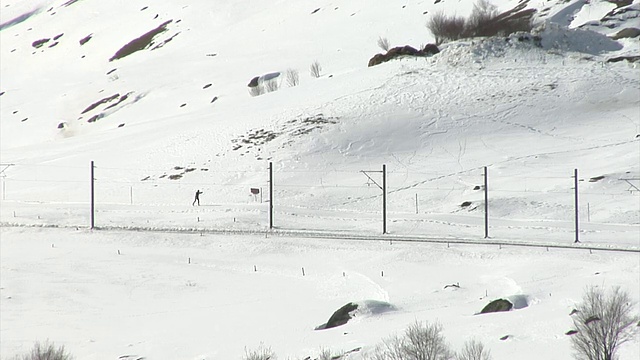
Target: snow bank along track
<point>346,236</point>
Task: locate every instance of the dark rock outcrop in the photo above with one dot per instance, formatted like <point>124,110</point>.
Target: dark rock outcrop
<point>399,51</point>
<point>497,306</point>
<point>341,316</point>
<point>627,33</point>
<point>141,42</point>
<point>631,59</point>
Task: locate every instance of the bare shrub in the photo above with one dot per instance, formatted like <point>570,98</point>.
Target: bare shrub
<point>426,342</point>
<point>261,353</point>
<point>315,69</point>
<point>325,354</point>
<point>383,43</point>
<point>256,90</point>
<point>485,20</point>
<point>390,349</point>
<point>521,21</point>
<point>604,322</point>
<point>473,350</point>
<point>271,85</point>
<point>46,351</point>
<point>446,28</point>
<point>420,341</point>
<point>482,19</point>
<point>293,77</point>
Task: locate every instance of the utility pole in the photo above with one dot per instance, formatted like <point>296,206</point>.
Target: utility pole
<point>92,197</point>
<point>486,203</point>
<point>4,176</point>
<point>382,187</point>
<point>384,198</point>
<point>575,187</point>
<point>270,195</point>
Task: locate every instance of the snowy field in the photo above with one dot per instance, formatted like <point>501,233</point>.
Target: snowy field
<point>160,278</point>
<point>185,296</point>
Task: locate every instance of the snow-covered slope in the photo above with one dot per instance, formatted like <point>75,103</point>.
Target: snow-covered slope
<point>177,115</point>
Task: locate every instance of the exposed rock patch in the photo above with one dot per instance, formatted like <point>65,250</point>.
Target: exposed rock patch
<point>100,102</point>
<point>38,43</point>
<point>626,33</point>
<point>498,305</point>
<point>341,316</point>
<point>141,42</point>
<point>631,59</point>
<point>291,129</point>
<point>400,51</point>
<point>354,309</point>
<point>85,39</point>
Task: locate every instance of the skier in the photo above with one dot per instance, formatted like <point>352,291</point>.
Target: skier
<point>197,199</point>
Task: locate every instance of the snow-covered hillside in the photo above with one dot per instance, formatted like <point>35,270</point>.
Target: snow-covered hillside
<point>156,95</point>
<point>177,116</point>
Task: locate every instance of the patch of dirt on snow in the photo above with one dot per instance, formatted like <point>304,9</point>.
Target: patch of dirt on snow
<point>290,130</point>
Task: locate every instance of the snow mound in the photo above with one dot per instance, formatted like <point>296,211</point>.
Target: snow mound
<point>546,38</point>
<point>519,301</point>
<point>555,37</point>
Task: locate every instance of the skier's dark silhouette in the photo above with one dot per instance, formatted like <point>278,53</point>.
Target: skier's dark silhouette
<point>197,199</point>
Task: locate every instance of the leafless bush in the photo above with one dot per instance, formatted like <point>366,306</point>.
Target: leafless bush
<point>271,85</point>
<point>390,349</point>
<point>46,351</point>
<point>261,353</point>
<point>293,77</point>
<point>521,21</point>
<point>383,43</point>
<point>256,90</point>
<point>473,350</point>
<point>446,28</point>
<point>481,19</point>
<point>485,20</point>
<point>426,342</point>
<point>420,341</point>
<point>604,322</point>
<point>315,69</point>
<point>325,354</point>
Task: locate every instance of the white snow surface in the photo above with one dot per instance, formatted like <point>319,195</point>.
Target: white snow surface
<point>161,279</point>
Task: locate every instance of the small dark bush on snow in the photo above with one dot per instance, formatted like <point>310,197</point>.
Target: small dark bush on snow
<point>446,28</point>
<point>46,351</point>
<point>261,353</point>
<point>474,350</point>
<point>420,341</point>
